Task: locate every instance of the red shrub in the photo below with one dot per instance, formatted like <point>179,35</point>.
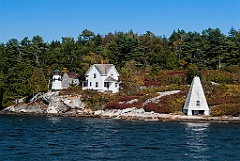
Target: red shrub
<point>117,105</point>
<point>176,73</point>
<point>113,105</point>
<point>151,83</point>
<point>159,108</point>
<point>125,99</point>
<point>151,106</point>
<point>164,109</point>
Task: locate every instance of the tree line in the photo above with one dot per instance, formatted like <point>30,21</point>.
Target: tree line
<point>21,62</point>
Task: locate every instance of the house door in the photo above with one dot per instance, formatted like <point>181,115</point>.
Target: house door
<point>201,112</point>
<point>106,84</point>
<point>193,113</point>
<point>197,112</point>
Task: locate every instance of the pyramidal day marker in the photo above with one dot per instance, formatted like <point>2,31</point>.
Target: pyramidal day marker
<point>196,101</point>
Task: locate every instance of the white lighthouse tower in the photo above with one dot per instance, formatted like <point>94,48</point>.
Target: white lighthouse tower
<point>56,81</point>
<point>196,102</point>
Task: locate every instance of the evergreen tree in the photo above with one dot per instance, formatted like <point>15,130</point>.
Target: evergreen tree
<point>192,71</point>
<point>37,82</point>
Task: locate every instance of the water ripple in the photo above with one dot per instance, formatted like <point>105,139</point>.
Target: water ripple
<point>58,138</point>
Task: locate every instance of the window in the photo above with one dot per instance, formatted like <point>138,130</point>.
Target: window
<point>198,103</point>
<point>94,75</point>
<point>85,84</point>
<point>116,84</point>
<point>112,75</point>
<point>90,84</point>
<point>96,84</point>
<point>106,84</point>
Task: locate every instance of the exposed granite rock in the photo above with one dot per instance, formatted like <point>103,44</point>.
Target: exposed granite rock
<point>49,102</point>
<point>161,94</point>
<point>140,114</point>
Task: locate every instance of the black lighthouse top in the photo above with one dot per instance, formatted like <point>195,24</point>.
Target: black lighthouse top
<point>56,72</point>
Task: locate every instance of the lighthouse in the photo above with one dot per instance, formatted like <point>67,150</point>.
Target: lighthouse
<point>56,81</point>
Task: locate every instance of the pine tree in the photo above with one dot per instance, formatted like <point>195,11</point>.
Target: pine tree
<point>37,81</point>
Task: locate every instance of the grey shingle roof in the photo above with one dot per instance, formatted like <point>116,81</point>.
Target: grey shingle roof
<point>73,75</point>
<point>102,68</point>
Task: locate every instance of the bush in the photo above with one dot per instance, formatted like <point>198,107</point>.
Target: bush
<point>71,91</point>
<point>219,76</point>
<point>192,71</point>
<point>151,106</point>
<point>113,105</point>
<point>165,77</point>
<point>117,105</point>
<point>233,69</point>
<point>125,98</point>
<point>96,100</point>
<point>226,109</point>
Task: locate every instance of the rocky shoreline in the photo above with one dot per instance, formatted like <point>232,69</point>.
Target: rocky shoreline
<point>52,105</point>
<point>132,114</point>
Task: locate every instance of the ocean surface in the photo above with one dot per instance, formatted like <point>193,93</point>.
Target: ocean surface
<point>61,138</point>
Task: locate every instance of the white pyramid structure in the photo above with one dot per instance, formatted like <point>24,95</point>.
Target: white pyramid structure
<point>196,102</point>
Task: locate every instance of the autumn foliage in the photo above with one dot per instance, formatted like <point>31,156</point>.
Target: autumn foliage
<point>223,98</point>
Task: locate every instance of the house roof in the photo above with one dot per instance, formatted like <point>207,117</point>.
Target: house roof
<point>73,75</point>
<point>110,79</point>
<point>102,68</point>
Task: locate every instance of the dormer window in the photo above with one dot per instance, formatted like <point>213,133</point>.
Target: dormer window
<point>94,75</point>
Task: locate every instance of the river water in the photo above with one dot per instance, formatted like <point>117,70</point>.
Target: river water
<point>61,138</point>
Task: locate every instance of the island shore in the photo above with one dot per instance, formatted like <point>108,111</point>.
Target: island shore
<point>146,116</point>
<point>52,105</point>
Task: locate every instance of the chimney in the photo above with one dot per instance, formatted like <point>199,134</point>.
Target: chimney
<point>101,61</point>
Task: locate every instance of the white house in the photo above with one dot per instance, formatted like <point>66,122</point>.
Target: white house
<point>196,102</point>
<point>56,81</point>
<point>70,79</point>
<point>102,77</point>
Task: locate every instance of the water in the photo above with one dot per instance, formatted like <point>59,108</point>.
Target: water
<point>59,138</point>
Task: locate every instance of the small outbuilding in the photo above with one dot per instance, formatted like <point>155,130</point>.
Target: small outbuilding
<point>196,101</point>
<point>70,79</point>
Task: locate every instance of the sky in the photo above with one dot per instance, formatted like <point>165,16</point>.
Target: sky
<point>54,19</point>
